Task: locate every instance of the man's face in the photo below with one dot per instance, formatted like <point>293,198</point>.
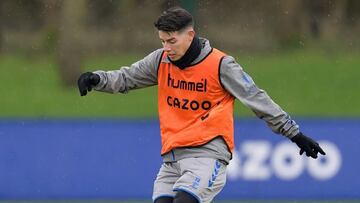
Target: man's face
<point>176,43</point>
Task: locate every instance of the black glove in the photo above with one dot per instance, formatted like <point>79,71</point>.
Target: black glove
<point>87,81</point>
<point>308,145</point>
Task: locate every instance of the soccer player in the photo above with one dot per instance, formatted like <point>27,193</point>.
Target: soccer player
<point>197,86</point>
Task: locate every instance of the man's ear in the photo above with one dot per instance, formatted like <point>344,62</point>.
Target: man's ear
<point>191,34</point>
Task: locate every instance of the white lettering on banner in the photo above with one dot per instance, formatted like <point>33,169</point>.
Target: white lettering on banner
<point>233,170</point>
<point>323,169</point>
<point>254,167</point>
<point>258,160</point>
<point>286,162</point>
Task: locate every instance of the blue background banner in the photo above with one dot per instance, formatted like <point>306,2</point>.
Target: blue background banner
<point>117,159</point>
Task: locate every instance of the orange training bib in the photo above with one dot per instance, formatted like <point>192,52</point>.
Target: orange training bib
<point>194,108</point>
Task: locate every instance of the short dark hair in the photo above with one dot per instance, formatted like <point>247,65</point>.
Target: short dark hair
<point>174,19</point>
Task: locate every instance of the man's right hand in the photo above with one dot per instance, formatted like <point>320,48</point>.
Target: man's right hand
<point>87,81</point>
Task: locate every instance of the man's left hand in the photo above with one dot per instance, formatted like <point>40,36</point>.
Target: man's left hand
<point>308,145</point>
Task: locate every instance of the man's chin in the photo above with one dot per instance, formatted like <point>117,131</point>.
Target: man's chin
<point>174,58</point>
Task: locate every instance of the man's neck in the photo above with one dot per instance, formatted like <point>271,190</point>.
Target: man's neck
<point>190,55</point>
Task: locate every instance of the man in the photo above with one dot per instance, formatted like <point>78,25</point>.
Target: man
<point>197,85</point>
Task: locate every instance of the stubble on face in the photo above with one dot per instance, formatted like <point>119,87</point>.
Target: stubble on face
<point>176,43</point>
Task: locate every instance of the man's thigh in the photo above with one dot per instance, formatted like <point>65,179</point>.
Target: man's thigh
<point>168,174</point>
<point>204,178</point>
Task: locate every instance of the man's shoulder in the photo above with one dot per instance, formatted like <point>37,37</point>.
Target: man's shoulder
<point>156,53</point>
<point>154,57</point>
<point>205,50</point>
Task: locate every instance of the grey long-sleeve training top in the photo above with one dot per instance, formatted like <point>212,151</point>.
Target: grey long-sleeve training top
<point>143,73</point>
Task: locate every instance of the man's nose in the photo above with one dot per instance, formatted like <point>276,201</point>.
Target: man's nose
<point>166,48</point>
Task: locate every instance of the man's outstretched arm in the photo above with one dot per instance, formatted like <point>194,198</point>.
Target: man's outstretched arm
<point>242,87</point>
<point>141,74</point>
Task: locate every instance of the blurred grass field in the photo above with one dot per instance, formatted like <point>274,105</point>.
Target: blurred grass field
<point>306,82</point>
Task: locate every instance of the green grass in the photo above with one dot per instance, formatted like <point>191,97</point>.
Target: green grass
<point>302,82</point>
<point>310,83</point>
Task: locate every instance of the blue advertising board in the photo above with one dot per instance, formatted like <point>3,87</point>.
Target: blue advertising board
<point>118,159</point>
